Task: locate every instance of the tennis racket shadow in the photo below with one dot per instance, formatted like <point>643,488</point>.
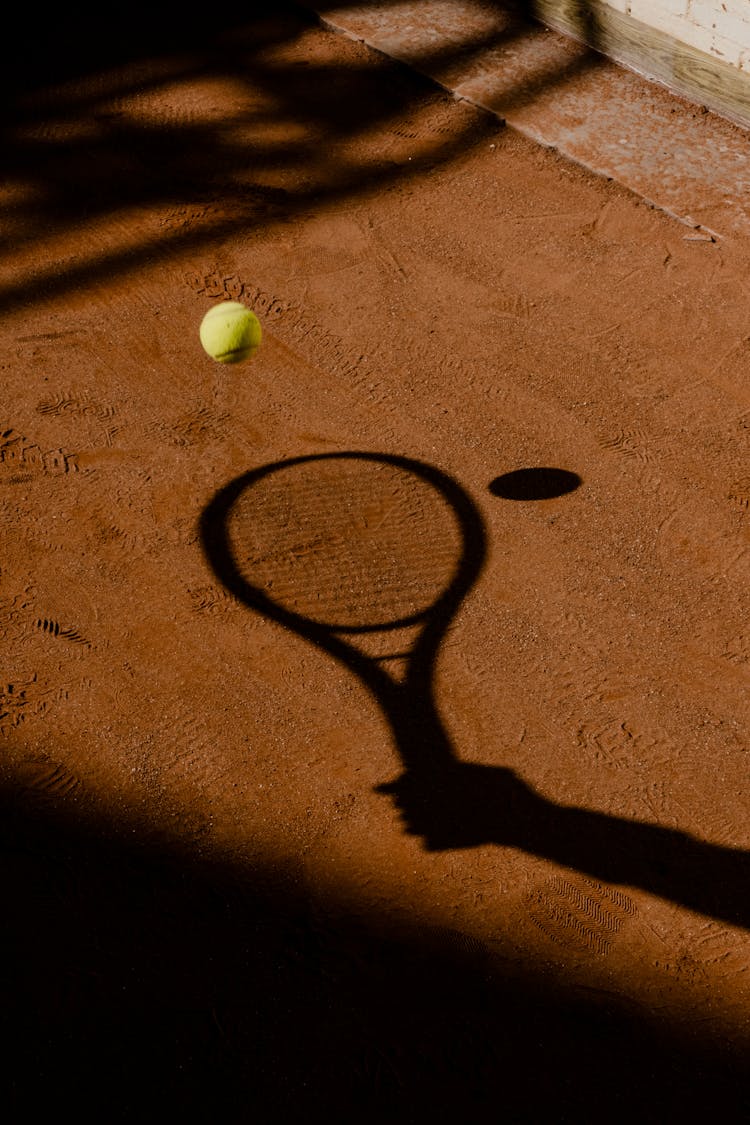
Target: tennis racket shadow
<point>369,556</point>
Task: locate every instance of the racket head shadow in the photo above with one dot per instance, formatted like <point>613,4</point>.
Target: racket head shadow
<point>345,542</point>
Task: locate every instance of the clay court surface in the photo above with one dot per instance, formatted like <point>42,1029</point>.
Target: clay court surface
<point>542,387</point>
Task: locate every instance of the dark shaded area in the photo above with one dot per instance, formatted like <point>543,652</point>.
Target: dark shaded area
<point>233,173</point>
<point>518,18</point>
<point>540,483</point>
<point>72,40</point>
<point>453,804</point>
<point>241,170</point>
<point>145,983</point>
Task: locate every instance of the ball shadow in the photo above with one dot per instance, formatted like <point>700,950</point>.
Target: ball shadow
<point>541,483</point>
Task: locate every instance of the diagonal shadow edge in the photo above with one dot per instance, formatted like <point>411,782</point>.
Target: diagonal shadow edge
<point>169,983</point>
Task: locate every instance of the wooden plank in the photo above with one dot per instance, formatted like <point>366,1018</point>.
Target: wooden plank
<point>653,54</point>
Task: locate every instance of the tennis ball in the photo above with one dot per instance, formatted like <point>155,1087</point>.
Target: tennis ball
<point>230,332</point>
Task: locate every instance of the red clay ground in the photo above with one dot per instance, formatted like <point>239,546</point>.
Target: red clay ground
<point>213,913</point>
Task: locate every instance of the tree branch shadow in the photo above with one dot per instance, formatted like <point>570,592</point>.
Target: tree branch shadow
<point>86,159</point>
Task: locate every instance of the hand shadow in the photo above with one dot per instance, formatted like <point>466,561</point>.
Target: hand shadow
<point>466,805</point>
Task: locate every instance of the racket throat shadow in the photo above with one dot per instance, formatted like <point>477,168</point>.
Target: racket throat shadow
<point>423,794</point>
<point>420,738</point>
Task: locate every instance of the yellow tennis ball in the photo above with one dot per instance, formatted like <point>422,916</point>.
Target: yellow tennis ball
<point>230,332</point>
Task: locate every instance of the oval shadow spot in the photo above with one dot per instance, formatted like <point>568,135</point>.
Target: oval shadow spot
<point>542,483</point>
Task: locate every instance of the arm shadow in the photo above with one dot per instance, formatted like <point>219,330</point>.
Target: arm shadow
<point>473,805</point>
